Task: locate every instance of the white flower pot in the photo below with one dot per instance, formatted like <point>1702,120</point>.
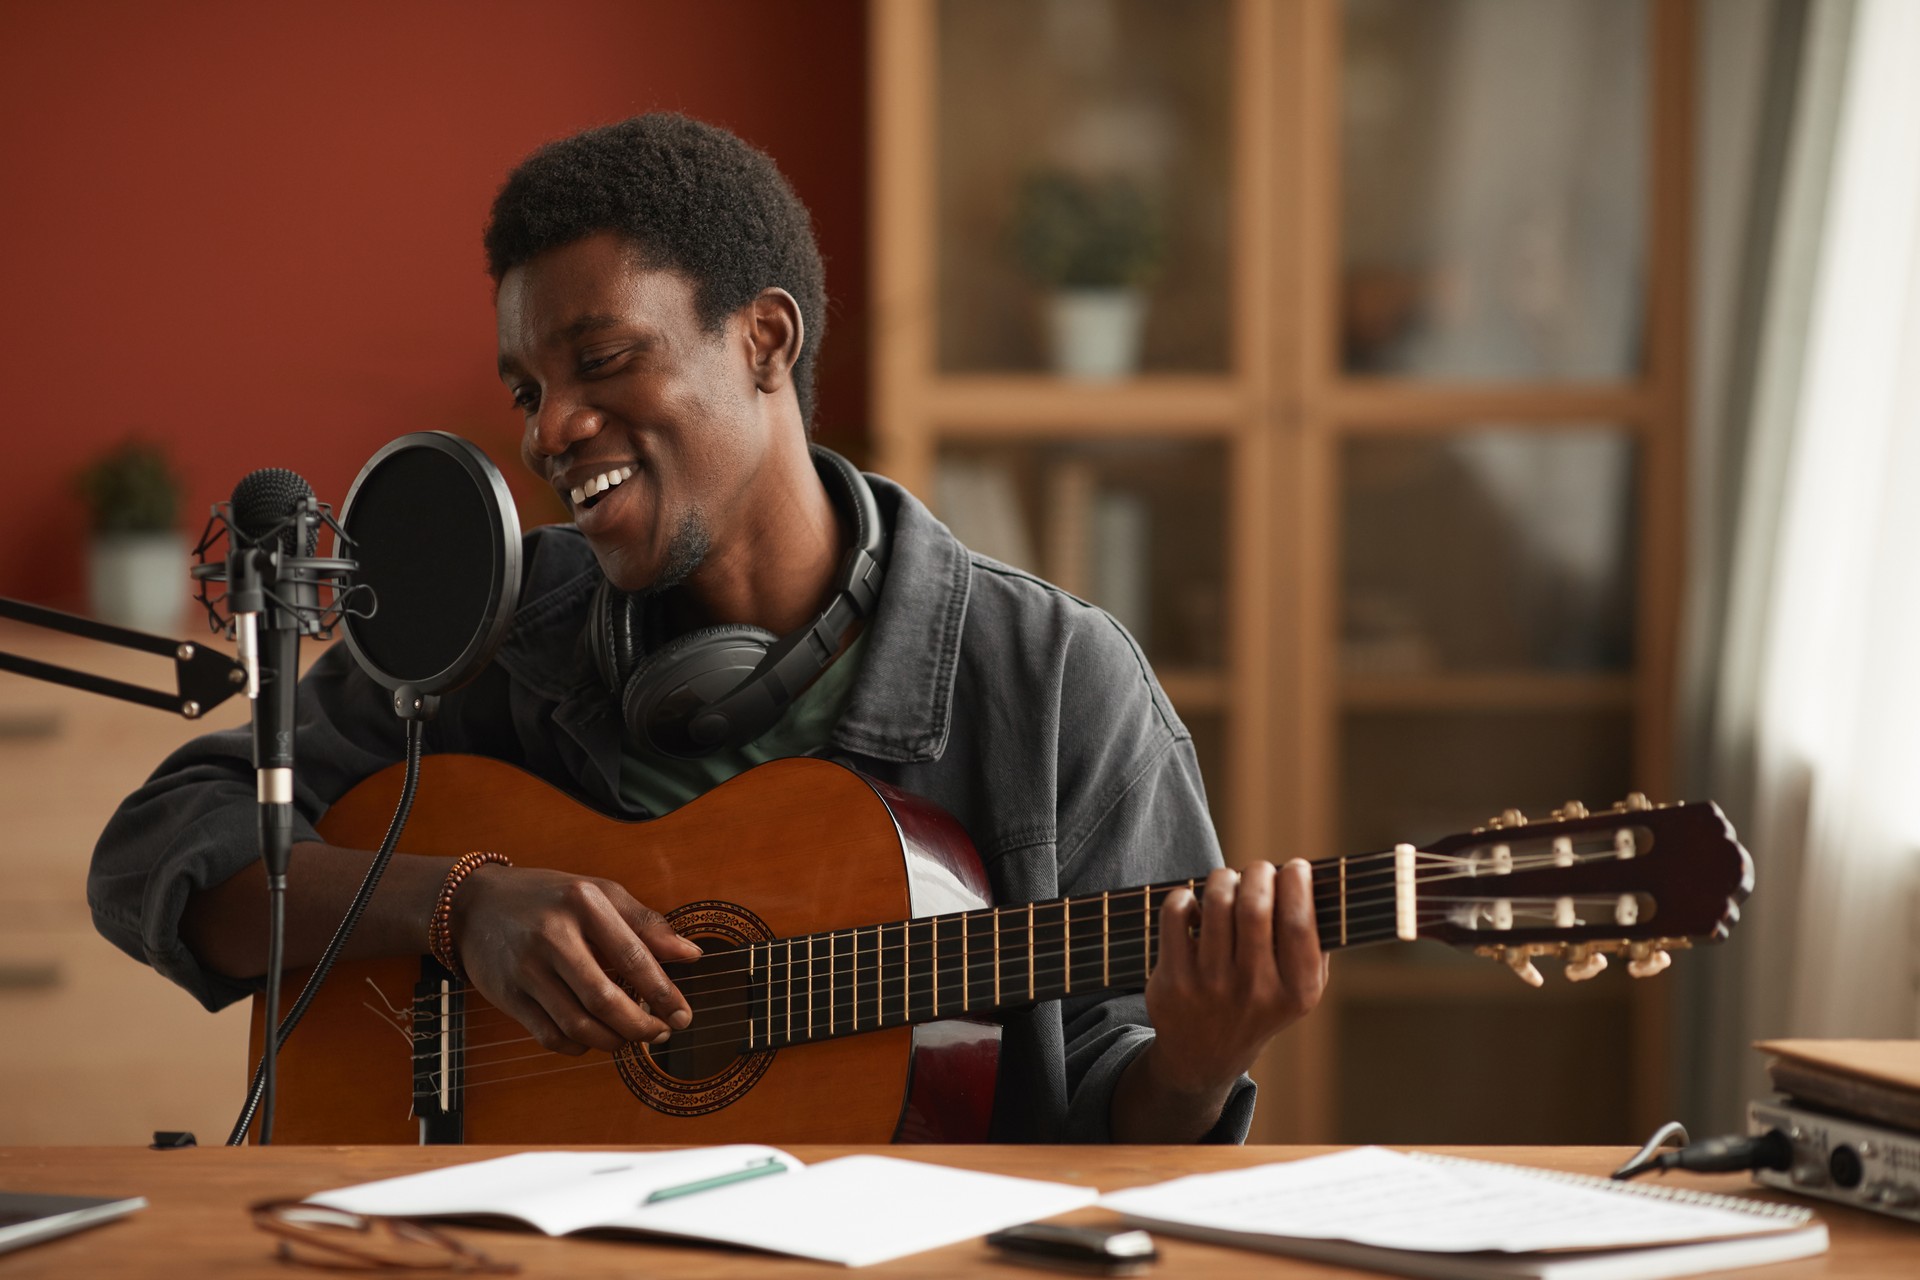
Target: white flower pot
<point>1095,333</point>
<point>139,580</point>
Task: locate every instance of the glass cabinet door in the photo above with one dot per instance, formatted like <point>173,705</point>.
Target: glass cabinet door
<point>1082,186</point>
<point>1495,220</point>
<point>1494,188</point>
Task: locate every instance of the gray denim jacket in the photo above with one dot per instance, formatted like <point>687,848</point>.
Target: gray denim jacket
<point>1029,715</point>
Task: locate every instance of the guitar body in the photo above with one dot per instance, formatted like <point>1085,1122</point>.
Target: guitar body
<point>792,847</point>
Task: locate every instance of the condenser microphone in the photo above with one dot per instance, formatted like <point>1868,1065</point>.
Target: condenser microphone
<point>274,521</point>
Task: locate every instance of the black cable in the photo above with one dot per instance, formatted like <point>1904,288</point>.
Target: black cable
<point>276,958</point>
<point>1734,1153</point>
<point>342,931</point>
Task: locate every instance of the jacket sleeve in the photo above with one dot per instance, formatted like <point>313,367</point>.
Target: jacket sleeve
<point>193,824</point>
<point>1133,811</point>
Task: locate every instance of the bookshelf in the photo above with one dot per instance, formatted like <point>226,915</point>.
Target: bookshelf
<point>1393,503</point>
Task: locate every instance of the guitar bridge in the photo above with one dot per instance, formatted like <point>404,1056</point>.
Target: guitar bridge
<point>438,1051</point>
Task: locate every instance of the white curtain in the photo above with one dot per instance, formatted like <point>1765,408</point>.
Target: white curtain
<point>1812,719</point>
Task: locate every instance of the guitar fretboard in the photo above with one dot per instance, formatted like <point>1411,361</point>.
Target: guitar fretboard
<point>822,985</point>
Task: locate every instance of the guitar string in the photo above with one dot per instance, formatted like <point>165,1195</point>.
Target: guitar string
<point>1358,913</point>
<point>729,1029</point>
<point>884,952</point>
<point>714,1037</point>
<point>1129,933</point>
<point>610,1061</point>
<point>1520,863</point>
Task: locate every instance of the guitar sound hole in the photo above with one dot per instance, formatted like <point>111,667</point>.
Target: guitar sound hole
<point>715,986</point>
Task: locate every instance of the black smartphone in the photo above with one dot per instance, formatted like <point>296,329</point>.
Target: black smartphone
<point>1098,1251</point>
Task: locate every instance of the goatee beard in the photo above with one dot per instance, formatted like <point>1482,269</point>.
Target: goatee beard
<point>686,550</point>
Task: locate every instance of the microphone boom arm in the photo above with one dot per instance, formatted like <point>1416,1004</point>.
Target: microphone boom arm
<point>204,677</point>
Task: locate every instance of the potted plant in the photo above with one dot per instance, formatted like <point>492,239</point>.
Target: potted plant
<point>1093,243</point>
<point>137,560</point>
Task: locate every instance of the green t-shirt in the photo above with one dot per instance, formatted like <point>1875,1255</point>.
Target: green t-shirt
<point>661,783</point>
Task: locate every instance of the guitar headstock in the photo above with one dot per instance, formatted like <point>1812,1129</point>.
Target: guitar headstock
<point>1638,879</point>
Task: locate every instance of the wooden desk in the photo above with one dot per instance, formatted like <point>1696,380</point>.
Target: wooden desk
<point>195,1224</point>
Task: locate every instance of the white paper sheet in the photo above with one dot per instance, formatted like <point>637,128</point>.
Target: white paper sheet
<point>862,1209</point>
<point>855,1210</point>
<point>555,1191</point>
<point>1374,1196</point>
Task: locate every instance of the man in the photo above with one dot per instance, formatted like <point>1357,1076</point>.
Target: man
<point>660,304</point>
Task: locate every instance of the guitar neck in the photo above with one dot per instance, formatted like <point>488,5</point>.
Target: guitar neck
<point>824,985</point>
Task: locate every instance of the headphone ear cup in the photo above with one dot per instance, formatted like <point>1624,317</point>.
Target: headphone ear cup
<point>663,699</point>
<point>613,635</point>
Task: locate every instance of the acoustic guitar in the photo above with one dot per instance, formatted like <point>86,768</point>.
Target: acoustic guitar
<point>854,959</point>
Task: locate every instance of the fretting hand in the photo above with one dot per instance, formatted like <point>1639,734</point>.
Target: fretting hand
<point>545,947</point>
<point>1254,967</point>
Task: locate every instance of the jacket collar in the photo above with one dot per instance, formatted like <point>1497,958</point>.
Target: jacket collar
<point>902,704</point>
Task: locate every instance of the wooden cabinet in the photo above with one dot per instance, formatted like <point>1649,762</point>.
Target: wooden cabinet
<point>1386,472</point>
<point>97,1048</point>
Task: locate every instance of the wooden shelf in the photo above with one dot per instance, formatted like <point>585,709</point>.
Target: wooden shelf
<point>1487,691</point>
<point>1401,405</point>
<point>1030,405</point>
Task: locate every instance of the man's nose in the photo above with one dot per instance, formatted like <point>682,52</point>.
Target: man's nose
<point>559,425</point>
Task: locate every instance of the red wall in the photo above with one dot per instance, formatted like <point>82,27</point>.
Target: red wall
<point>252,231</point>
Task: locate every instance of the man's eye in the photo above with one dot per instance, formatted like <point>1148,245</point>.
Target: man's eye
<point>526,399</point>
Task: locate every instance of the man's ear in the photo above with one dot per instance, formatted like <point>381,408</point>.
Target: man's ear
<point>775,333</point>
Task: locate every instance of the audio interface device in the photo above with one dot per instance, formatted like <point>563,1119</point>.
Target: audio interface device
<point>1847,1160</point>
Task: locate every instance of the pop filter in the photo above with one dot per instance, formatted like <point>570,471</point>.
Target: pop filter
<point>436,537</point>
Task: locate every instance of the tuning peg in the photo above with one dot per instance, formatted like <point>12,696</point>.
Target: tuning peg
<point>1583,962</point>
<point>1647,960</point>
<point>1522,965</point>
<point>1636,802</point>
<point>1569,811</point>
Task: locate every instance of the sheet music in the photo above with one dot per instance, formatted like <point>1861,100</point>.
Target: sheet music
<point>1378,1197</point>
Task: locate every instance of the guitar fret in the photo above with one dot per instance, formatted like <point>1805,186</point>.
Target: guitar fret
<point>996,957</point>
<point>1030,952</point>
<point>965,1002</point>
<point>789,942</point>
<point>933,960</point>
<point>1066,942</point>
<point>906,973</point>
<point>809,986</point>
<point>832,992</point>
<point>1343,900</point>
<point>1106,956</point>
<point>753,972</point>
<point>1146,939</point>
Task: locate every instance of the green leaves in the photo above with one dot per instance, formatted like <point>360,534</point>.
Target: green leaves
<point>131,489</point>
<point>1074,232</point>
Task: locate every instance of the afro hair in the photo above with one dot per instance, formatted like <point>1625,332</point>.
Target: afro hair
<point>689,197</point>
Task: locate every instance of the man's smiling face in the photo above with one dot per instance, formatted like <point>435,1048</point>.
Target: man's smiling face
<point>642,419</point>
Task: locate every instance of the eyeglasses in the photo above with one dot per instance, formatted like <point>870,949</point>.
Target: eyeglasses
<point>315,1236</point>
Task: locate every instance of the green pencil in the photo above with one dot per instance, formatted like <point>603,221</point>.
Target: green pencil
<point>762,1169</point>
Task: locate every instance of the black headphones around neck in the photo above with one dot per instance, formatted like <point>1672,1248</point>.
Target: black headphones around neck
<point>724,686</point>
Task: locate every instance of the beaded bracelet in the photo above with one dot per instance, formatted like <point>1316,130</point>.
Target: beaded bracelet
<point>440,924</point>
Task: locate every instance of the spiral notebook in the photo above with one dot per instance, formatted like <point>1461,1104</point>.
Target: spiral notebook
<point>1456,1219</point>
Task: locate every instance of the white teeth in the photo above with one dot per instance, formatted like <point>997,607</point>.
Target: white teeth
<point>600,484</point>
